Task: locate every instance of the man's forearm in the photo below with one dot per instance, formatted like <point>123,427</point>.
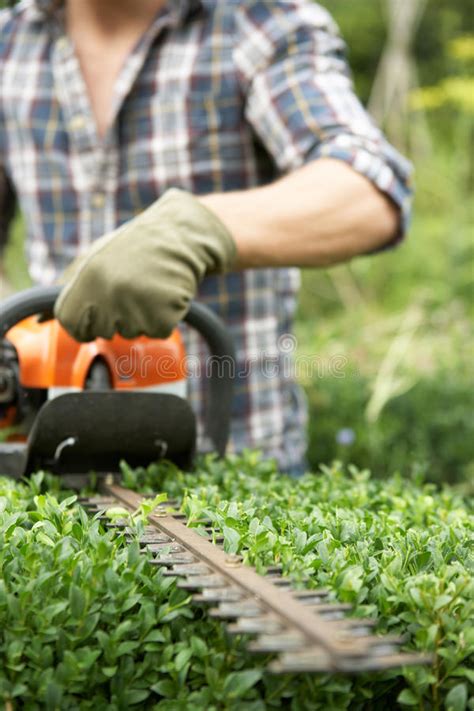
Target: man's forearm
<point>321,214</point>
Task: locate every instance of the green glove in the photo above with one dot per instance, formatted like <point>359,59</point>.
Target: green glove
<point>141,278</point>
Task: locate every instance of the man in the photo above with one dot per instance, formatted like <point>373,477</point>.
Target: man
<point>235,123</point>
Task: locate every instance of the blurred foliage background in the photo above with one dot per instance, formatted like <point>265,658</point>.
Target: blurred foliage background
<point>397,325</point>
<point>401,321</point>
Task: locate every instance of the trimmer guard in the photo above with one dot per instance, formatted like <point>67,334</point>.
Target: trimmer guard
<point>94,431</point>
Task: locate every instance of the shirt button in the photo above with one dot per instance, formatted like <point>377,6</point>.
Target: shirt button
<point>77,123</point>
<point>98,200</point>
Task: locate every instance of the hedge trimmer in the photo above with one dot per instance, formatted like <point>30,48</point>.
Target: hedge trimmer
<point>84,410</point>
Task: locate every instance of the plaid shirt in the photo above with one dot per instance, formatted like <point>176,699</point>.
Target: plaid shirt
<point>217,95</point>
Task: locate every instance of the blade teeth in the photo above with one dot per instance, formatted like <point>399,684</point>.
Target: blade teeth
<point>395,640</point>
<point>352,645</point>
<point>90,508</point>
<point>286,642</point>
<point>301,595</point>
<point>229,610</point>
<point>354,626</point>
<point>382,646</point>
<point>332,615</point>
<point>381,662</point>
<point>383,650</point>
<point>373,641</point>
<point>274,570</point>
<point>218,540</point>
<point>173,559</point>
<point>121,523</point>
<point>202,581</point>
<point>279,581</point>
<point>316,660</point>
<point>165,547</point>
<point>313,660</point>
<point>96,501</point>
<point>154,539</point>
<point>190,569</point>
<point>265,625</point>
<point>322,608</point>
<point>317,601</point>
<point>213,595</point>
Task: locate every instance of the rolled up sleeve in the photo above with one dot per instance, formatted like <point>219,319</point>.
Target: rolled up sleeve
<point>300,97</point>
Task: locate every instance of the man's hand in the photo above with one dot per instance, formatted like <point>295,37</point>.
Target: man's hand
<point>141,278</point>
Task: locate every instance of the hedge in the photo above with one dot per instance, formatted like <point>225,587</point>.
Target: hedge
<point>86,623</point>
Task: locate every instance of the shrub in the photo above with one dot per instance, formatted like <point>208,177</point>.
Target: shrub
<point>85,622</point>
<point>430,428</point>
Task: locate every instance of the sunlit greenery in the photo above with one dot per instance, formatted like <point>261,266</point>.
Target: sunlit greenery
<point>401,320</point>
<point>85,623</point>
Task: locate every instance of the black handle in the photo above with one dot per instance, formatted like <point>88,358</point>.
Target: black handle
<point>221,365</point>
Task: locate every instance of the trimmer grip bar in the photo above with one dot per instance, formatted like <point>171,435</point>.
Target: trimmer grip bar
<point>221,371</point>
<point>17,307</point>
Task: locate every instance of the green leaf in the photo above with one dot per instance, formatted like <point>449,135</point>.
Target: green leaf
<point>46,540</point>
<point>442,601</point>
<point>343,530</point>
<point>352,579</point>
<point>122,629</point>
<point>199,647</point>
<point>136,696</point>
<point>238,683</point>
<point>422,559</point>
<point>166,688</point>
<point>182,658</point>
<point>231,539</point>
<point>53,696</point>
<point>68,502</point>
<point>117,512</point>
<point>133,554</point>
<point>417,596</point>
<point>19,690</point>
<point>126,647</point>
<point>149,505</point>
<point>109,672</point>
<point>456,700</point>
<point>407,698</point>
<point>464,671</point>
<point>77,601</point>
<point>155,636</point>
